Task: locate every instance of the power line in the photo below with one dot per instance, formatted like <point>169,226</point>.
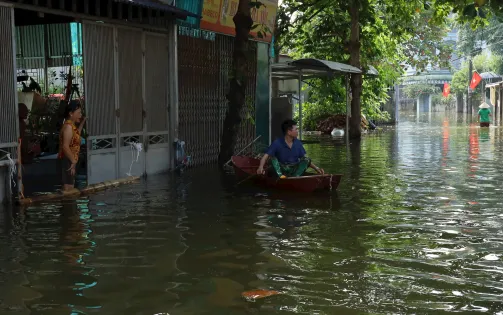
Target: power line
<point>484,29</point>
<point>477,50</point>
<point>481,33</point>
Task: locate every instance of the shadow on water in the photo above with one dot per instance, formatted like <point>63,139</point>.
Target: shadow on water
<point>413,228</point>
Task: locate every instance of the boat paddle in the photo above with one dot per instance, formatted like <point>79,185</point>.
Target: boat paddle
<point>247,178</point>
<point>253,175</point>
<point>249,144</point>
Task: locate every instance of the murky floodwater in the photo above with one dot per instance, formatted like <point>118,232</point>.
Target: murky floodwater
<point>416,227</point>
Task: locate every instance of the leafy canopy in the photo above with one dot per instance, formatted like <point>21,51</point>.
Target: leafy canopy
<point>391,33</point>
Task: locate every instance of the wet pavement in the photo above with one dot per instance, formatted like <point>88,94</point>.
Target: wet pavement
<point>415,227</point>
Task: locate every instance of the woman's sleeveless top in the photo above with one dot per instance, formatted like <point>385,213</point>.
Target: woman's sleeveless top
<point>74,143</point>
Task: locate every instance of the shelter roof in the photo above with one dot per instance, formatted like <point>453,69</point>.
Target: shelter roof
<point>489,75</point>
<point>494,84</point>
<point>310,68</point>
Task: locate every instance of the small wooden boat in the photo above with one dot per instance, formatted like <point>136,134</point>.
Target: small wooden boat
<point>246,169</point>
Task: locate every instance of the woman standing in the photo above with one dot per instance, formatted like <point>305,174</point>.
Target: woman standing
<point>69,143</point>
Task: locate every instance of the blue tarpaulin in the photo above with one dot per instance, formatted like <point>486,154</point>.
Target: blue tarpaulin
<point>154,4</point>
<point>76,34</point>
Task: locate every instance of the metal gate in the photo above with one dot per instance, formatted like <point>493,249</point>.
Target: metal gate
<point>131,101</point>
<point>101,102</point>
<point>127,83</point>
<point>203,83</point>
<point>157,78</point>
<point>9,123</point>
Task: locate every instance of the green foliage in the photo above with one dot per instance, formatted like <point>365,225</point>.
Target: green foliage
<point>474,13</point>
<point>374,95</point>
<point>391,33</point>
<point>470,39</point>
<point>44,120</point>
<point>481,63</point>
<point>321,30</point>
<point>436,99</point>
<point>326,91</point>
<point>425,44</point>
<point>460,80</point>
<point>249,110</point>
<point>486,63</point>
<point>448,102</point>
<point>281,29</point>
<point>496,64</point>
<point>312,113</point>
<point>326,98</point>
<point>415,90</point>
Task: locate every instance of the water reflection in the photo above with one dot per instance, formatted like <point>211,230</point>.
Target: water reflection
<point>414,228</point>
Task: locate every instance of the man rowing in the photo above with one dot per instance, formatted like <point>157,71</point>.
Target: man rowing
<point>288,156</point>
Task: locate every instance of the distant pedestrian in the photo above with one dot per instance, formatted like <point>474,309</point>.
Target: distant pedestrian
<point>484,115</point>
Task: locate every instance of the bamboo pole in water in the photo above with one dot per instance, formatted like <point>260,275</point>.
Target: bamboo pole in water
<point>20,171</point>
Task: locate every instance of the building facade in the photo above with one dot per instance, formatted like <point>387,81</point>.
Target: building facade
<point>123,72</point>
<point>205,49</point>
<point>147,73</point>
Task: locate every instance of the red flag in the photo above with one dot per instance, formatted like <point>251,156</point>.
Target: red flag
<point>447,89</point>
<point>476,78</point>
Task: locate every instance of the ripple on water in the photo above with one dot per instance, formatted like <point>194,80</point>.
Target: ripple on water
<point>414,228</point>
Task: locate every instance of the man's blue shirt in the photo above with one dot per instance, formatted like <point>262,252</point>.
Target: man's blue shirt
<point>285,155</point>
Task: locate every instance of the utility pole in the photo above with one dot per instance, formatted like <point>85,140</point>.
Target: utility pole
<point>469,96</point>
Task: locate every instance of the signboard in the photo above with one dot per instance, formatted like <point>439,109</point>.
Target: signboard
<point>218,14</point>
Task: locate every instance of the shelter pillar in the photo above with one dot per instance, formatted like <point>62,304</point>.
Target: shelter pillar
<point>418,105</point>
<point>501,102</point>
<point>347,109</point>
<point>262,110</point>
<point>397,102</point>
<point>301,125</point>
<point>430,109</point>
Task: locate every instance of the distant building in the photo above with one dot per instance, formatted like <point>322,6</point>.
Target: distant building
<point>433,74</point>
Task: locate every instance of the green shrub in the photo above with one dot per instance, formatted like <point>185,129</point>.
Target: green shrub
<point>312,113</point>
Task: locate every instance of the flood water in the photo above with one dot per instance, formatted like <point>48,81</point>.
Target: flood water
<point>415,228</point>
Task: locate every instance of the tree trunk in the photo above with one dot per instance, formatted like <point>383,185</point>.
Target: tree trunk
<point>356,79</point>
<point>460,103</point>
<point>237,82</point>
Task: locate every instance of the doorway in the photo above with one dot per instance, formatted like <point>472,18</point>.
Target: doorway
<point>50,75</point>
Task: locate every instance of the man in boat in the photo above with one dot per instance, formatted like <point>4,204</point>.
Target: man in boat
<point>288,156</point>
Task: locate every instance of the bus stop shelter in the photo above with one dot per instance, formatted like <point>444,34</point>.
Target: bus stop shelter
<point>305,69</point>
<point>496,97</point>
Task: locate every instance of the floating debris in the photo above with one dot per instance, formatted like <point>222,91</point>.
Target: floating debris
<point>491,257</point>
<point>258,294</point>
